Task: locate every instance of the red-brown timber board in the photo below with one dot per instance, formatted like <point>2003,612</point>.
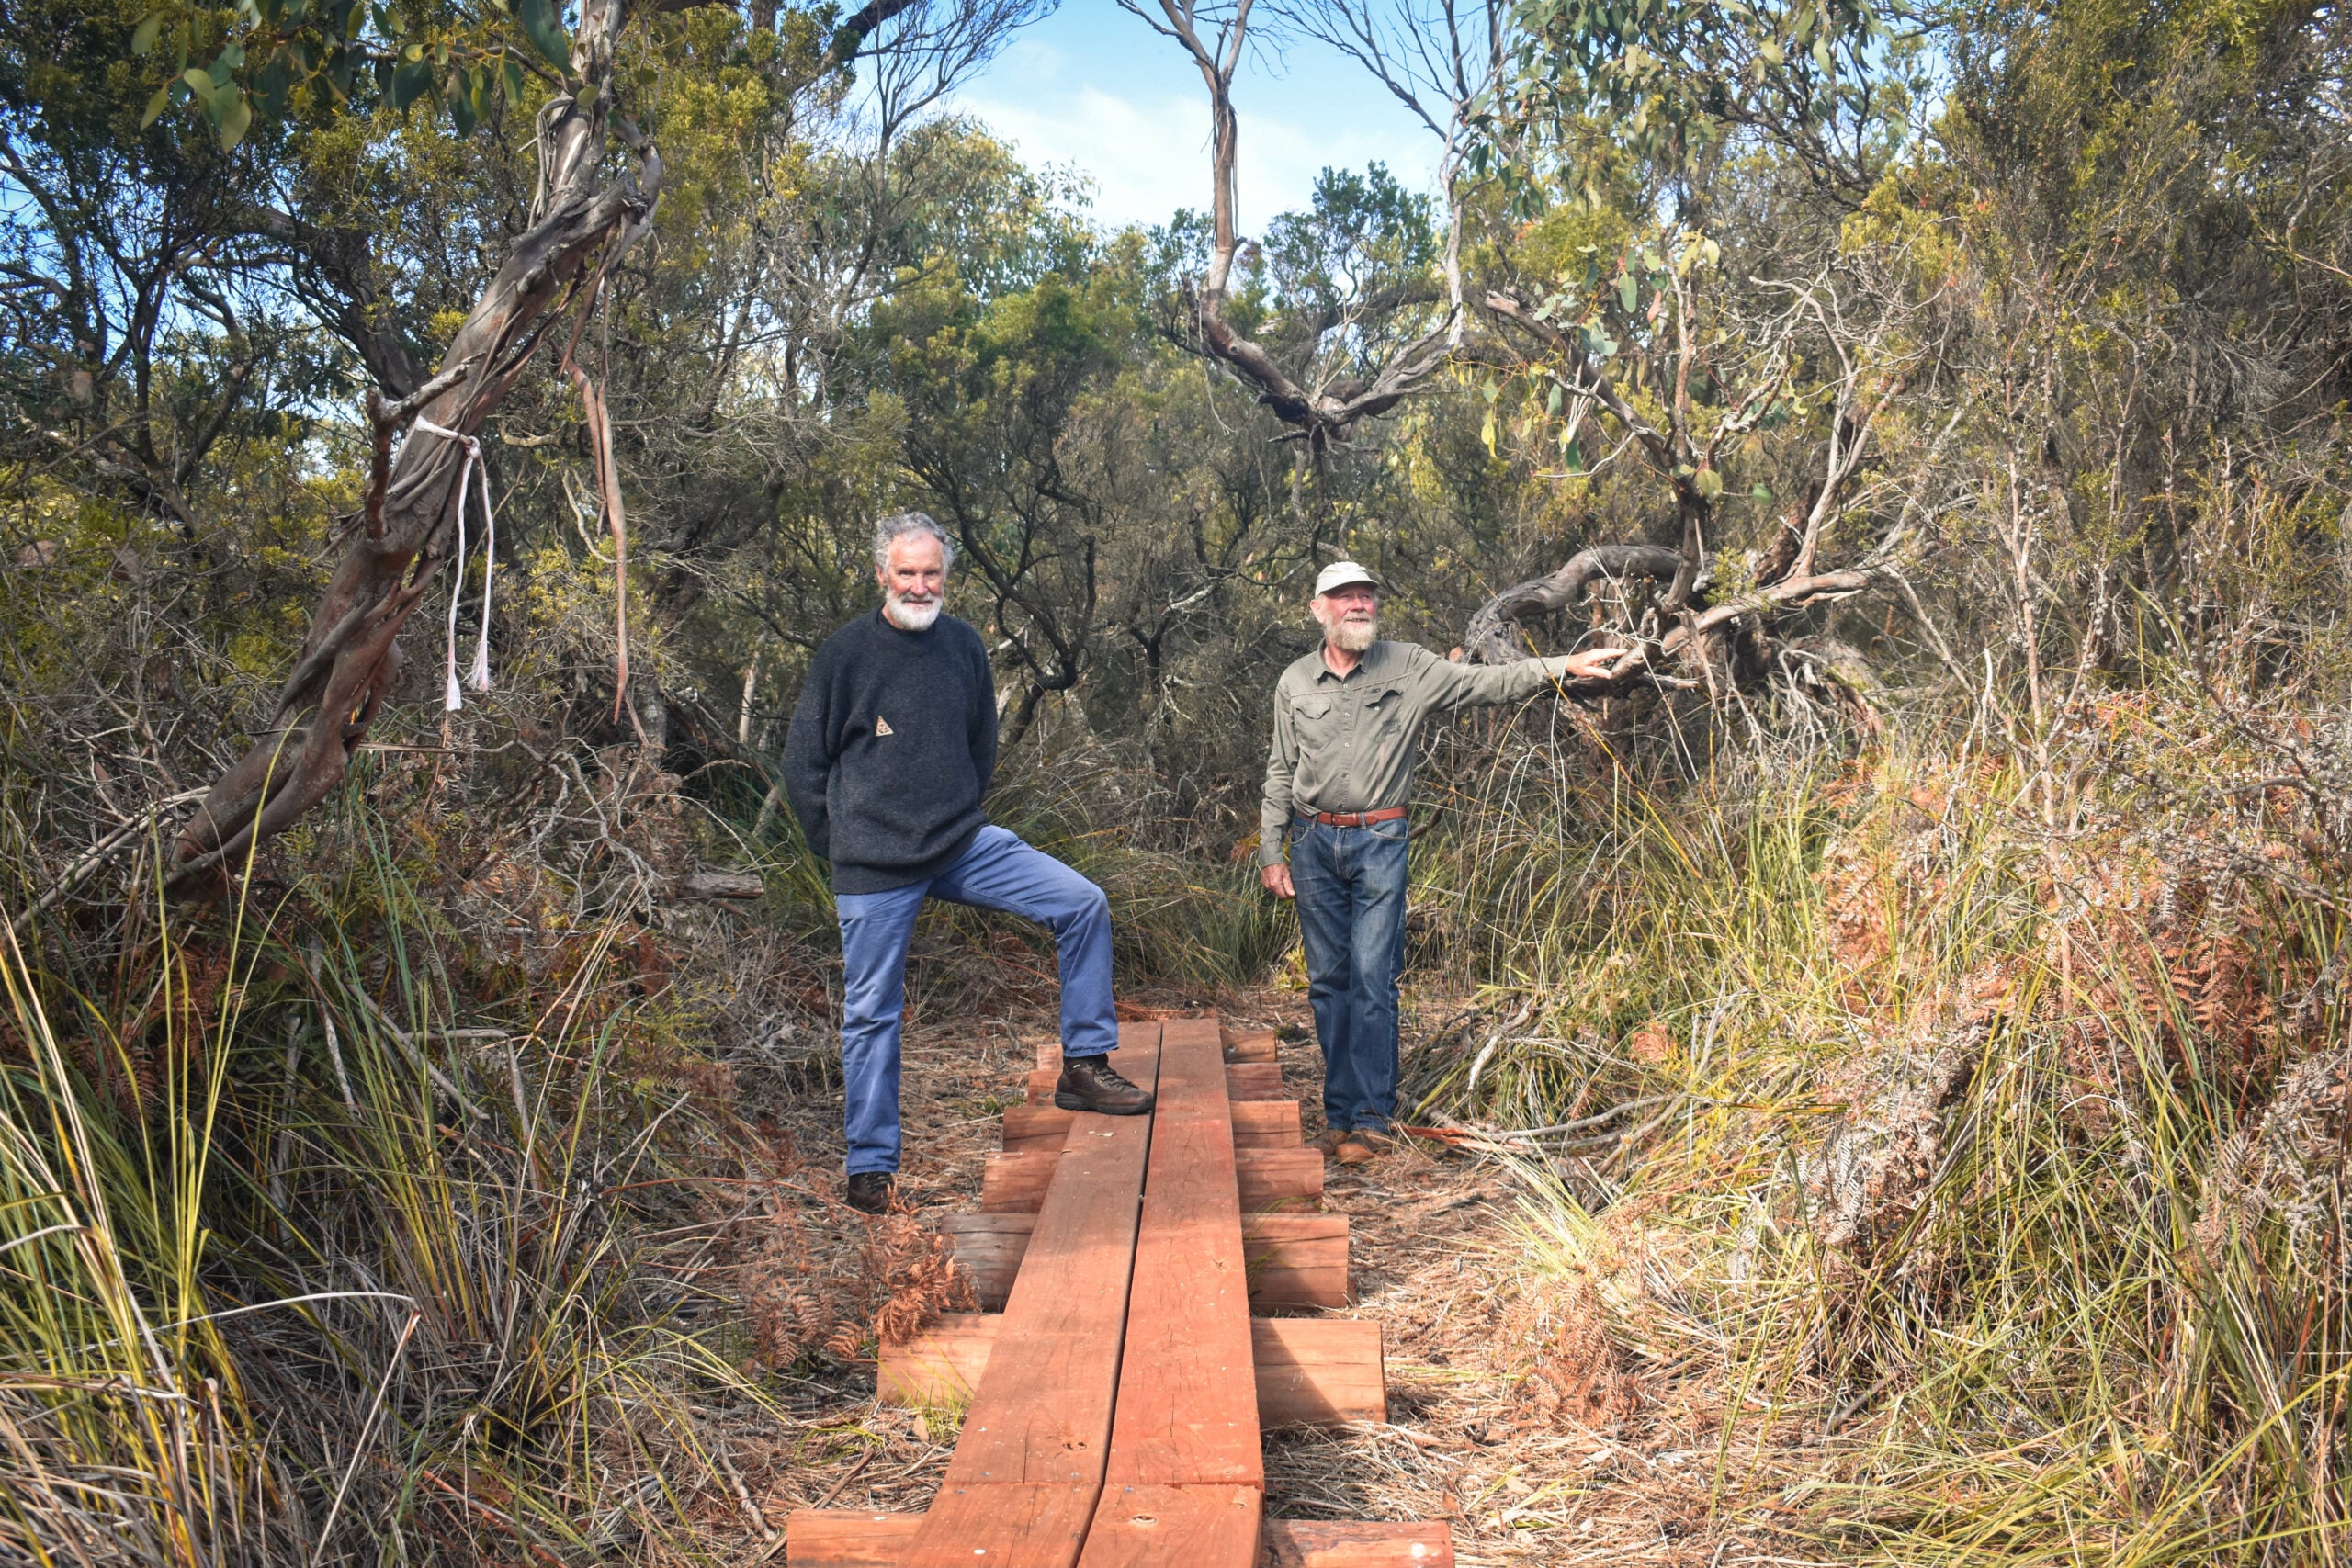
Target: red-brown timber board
<point>1188,1394</point>
<point>1029,1465</point>
<point>1142,1526</point>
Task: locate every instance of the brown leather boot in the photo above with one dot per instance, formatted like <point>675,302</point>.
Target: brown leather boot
<point>1091,1083</point>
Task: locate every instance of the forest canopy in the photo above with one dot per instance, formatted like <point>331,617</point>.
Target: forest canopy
<point>1945,403</point>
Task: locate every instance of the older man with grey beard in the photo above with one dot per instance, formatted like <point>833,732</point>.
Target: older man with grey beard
<point>888,761</point>
<point>1348,719</point>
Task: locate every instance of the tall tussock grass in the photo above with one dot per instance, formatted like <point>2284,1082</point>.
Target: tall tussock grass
<point>1956,1142</point>
<point>310,1255</point>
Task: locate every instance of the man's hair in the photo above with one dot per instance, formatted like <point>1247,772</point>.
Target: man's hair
<point>899,524</point>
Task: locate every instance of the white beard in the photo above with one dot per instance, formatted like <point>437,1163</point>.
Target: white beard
<point>1352,637</point>
<point>909,617</point>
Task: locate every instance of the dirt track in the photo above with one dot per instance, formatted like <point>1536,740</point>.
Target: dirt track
<point>1440,1261</point>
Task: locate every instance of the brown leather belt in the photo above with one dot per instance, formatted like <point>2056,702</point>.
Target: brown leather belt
<point>1359,818</point>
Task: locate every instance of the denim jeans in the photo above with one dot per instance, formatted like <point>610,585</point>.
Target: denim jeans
<point>998,872</point>
<point>1350,885</point>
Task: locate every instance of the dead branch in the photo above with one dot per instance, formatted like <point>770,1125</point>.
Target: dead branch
<point>1323,417</point>
<point>1489,639</point>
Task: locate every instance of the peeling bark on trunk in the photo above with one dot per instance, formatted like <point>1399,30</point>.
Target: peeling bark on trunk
<point>349,662</point>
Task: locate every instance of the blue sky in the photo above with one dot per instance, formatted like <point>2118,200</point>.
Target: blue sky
<point>1091,87</point>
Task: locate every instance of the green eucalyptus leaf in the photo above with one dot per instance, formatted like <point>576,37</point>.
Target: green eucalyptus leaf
<point>1710,483</point>
<point>270,86</point>
<point>461,99</point>
<point>1628,292</point>
<point>234,122</point>
<point>1761,494</point>
<point>411,82</point>
<point>514,73</point>
<point>143,37</point>
<point>543,27</point>
<point>156,106</point>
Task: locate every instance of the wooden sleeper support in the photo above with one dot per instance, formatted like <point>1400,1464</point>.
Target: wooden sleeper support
<point>1249,1045</point>
<point>1295,1260</point>
<point>1243,1080</point>
<point>1310,1371</point>
<point>1256,1125</point>
<point>1017,1183</point>
<point>861,1538</point>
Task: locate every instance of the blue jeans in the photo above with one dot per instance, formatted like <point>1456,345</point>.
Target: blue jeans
<point>1351,886</point>
<point>998,872</point>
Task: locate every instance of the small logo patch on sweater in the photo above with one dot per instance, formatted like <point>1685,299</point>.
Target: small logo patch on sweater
<point>882,727</point>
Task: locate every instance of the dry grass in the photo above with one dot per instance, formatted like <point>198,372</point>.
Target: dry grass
<point>1485,1431</point>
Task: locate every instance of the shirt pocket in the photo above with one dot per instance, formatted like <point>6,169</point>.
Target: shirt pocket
<point>1314,718</point>
<point>1383,707</point>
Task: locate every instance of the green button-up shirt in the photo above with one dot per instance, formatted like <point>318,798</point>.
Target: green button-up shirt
<point>1347,742</point>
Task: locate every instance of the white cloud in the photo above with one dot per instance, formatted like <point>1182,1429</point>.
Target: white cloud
<point>1147,153</point>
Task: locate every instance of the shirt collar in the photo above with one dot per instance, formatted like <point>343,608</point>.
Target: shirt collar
<point>1323,670</point>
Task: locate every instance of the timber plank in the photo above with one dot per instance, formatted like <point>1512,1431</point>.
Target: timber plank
<point>1017,1183</point>
<point>1295,1259</point>
<point>990,1247</point>
<point>1318,1543</point>
<point>1253,1080</point>
<point>859,1537</point>
<point>1188,1402</point>
<point>1144,1526</point>
<point>1243,1080</point>
<point>1256,1125</point>
<point>1268,1177</point>
<point>1249,1044</point>
<point>1306,1371</point>
<point>1028,1468</point>
<point>847,1537</point>
<point>1021,1526</point>
<point>941,1367</point>
<point>1320,1372</point>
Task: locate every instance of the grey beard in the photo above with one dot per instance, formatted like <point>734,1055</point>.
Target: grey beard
<point>1352,637</point>
<point>909,617</point>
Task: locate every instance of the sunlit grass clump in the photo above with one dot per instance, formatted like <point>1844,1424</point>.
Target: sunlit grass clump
<point>1980,1152</point>
<point>305,1257</point>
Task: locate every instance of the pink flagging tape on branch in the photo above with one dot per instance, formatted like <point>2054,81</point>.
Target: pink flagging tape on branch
<point>478,677</point>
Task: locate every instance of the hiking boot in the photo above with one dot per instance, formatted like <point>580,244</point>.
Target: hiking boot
<point>869,1191</point>
<point>1328,1140</point>
<point>1355,1148</point>
<point>1091,1083</point>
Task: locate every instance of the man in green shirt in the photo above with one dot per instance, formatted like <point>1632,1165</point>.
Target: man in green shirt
<point>1348,721</point>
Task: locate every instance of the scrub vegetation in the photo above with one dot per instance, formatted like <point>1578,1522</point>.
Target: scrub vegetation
<point>1909,1001</point>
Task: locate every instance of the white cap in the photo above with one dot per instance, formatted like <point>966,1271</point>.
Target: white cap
<point>1340,574</point>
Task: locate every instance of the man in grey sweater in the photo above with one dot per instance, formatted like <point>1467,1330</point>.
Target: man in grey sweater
<point>1348,719</point>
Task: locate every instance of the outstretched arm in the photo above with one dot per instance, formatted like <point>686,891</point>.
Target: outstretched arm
<point>1463,686</point>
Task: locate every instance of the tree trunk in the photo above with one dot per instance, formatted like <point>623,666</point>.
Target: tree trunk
<point>349,661</point>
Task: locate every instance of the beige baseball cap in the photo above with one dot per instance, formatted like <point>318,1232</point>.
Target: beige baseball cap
<point>1341,574</point>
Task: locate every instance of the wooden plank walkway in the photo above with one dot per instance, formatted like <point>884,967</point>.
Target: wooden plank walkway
<point>1116,1404</point>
